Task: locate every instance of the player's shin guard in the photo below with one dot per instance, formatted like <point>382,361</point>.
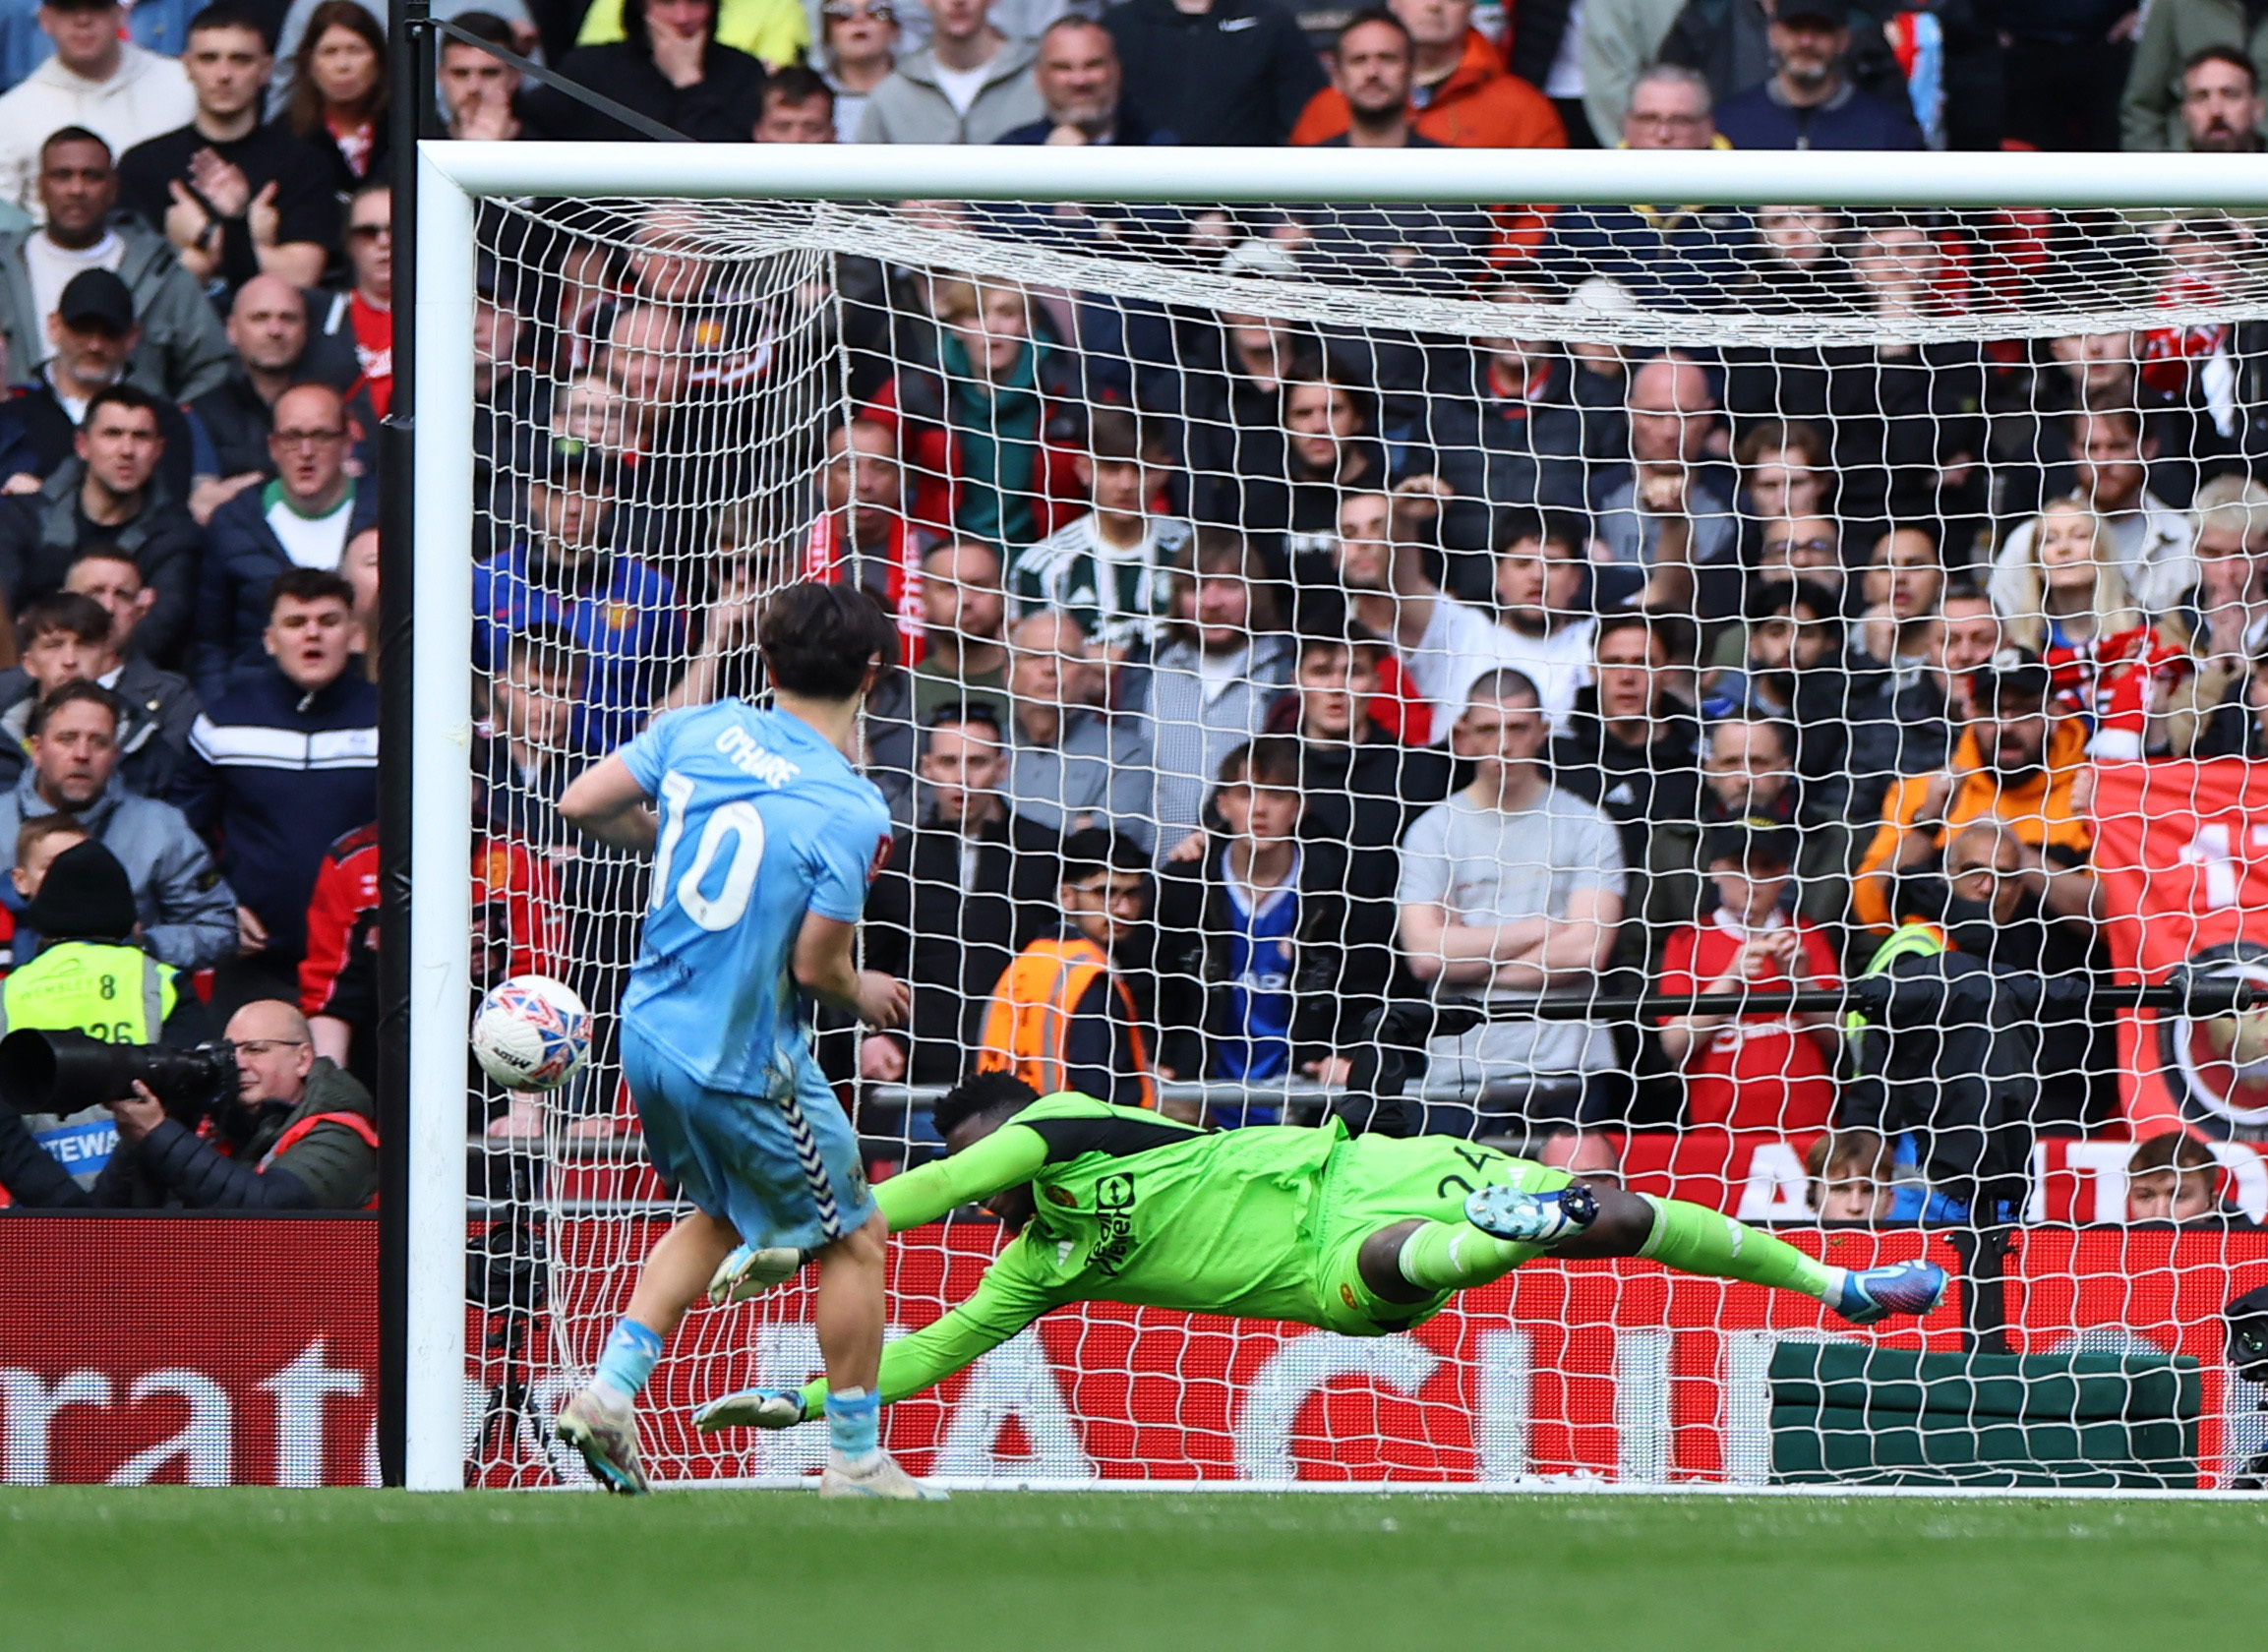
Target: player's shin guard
<point>1694,1239</point>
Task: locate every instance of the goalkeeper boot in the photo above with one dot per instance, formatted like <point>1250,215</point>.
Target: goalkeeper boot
<point>1504,1211</point>
<point>750,1270</point>
<point>1869,1294</point>
<point>878,1477</point>
<point>765,1408</point>
<point>604,1428</point>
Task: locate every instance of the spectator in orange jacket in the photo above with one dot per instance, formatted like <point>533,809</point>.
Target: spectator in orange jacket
<point>2015,763</point>
<point>1462,93</point>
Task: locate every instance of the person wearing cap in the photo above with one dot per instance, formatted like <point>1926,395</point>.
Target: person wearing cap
<point>234,196</point>
<point>178,349</point>
<point>1752,1072</point>
<point>89,974</point>
<point>2015,762</point>
<point>1811,103</point>
<point>562,569</point>
<point>93,349</point>
<point>302,520</point>
<point>281,763</point>
<point>185,910</point>
<point>98,79</point>
<point>112,493</point>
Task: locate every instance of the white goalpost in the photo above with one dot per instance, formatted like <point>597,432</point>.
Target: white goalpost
<point>681,327</point>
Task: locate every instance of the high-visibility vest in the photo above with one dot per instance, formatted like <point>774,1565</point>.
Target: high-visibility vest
<point>119,994</point>
<point>1031,1011</point>
<point>1912,939</point>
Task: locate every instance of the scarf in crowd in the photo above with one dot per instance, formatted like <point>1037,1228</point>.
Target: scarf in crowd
<point>996,425</point>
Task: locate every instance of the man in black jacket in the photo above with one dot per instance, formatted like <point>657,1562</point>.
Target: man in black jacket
<point>1216,72</point>
<point>297,1135</point>
<point>66,636</point>
<point>114,494</point>
<point>960,895</point>
<point>267,327</point>
<point>1635,751</point>
<point>1363,789</point>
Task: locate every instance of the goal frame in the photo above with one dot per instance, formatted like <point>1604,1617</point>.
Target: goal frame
<point>426,1272</point>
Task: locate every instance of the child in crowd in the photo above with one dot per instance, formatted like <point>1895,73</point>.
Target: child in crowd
<point>1752,1072</point>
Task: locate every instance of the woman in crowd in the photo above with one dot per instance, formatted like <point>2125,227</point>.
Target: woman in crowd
<point>860,51</point>
<point>989,419</point>
<point>669,67</point>
<point>338,92</point>
<point>1900,588</point>
<point>2070,593</point>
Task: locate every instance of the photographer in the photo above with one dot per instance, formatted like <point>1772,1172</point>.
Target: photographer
<point>296,1135</point>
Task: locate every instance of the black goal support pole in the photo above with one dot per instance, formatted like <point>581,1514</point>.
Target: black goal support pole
<point>410,46</point>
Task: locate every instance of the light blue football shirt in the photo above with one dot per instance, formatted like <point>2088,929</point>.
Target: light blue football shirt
<point>761,821</point>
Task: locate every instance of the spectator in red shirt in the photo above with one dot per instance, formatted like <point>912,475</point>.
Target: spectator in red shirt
<point>1754,1072</point>
<point>364,311</point>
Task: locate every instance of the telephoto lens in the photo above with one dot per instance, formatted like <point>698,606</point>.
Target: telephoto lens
<point>64,1072</point>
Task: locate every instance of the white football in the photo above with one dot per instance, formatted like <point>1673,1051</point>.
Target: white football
<point>531,1033</point>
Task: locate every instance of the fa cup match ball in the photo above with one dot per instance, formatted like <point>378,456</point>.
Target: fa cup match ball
<point>531,1033</point>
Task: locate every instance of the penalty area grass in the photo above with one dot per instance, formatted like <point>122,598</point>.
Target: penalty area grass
<point>91,1569</point>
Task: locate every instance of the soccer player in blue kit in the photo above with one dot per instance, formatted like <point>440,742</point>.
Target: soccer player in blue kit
<point>764,838</point>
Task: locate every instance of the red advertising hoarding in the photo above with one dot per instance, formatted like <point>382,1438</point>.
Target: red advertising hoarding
<point>217,1351</point>
<point>209,1350</point>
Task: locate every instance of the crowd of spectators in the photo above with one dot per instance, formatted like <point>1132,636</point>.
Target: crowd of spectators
<point>1260,680</point>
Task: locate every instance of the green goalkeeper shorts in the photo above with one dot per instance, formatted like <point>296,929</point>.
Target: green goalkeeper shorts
<point>1373,1181</point>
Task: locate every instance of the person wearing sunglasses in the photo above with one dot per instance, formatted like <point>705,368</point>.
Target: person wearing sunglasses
<point>859,51</point>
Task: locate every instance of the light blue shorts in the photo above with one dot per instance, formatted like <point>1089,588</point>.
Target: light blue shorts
<point>781,1172</point>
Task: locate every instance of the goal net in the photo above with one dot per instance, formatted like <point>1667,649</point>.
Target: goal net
<point>1885,586</point>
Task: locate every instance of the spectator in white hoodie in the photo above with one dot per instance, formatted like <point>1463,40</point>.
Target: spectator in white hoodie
<point>97,79</point>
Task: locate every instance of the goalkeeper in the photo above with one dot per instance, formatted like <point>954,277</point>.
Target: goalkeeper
<point>1360,1235</point>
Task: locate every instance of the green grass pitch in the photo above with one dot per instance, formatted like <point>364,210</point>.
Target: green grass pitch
<point>180,1571</point>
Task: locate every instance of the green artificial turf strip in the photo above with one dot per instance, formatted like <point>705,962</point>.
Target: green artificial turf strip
<point>168,1569</point>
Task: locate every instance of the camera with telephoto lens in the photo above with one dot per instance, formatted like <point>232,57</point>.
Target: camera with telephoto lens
<point>2246,1316</point>
<point>64,1073</point>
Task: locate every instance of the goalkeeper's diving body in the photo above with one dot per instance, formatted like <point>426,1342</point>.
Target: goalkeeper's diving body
<point>1362,1235</point>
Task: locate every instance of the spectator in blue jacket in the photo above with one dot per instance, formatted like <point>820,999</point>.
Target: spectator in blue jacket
<point>562,571</point>
<point>186,909</point>
<point>1809,102</point>
<point>302,520</point>
<point>280,765</point>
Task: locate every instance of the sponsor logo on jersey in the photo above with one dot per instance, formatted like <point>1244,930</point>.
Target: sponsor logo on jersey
<point>1113,1223</point>
<point>1060,1196</point>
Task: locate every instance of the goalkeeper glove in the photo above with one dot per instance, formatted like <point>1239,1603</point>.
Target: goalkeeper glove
<point>751,1271</point>
<point>765,1408</point>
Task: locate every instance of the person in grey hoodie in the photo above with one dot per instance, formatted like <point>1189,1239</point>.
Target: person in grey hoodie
<point>1207,694</point>
<point>187,909</point>
<point>970,84</point>
<point>180,350</point>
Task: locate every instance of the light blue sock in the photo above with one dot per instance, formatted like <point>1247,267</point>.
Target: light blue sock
<point>629,1359</point>
<point>855,1425</point>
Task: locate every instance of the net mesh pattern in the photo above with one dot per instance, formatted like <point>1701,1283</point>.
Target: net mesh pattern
<point>1815,537</point>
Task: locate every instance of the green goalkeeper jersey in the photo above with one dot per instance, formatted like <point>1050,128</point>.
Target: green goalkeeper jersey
<point>1127,1206</point>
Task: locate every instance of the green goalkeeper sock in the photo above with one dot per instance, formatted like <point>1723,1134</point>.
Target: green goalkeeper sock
<point>1694,1239</point>
<point>1457,1256</point>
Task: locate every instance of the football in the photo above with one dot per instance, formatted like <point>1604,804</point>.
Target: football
<point>531,1033</point>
